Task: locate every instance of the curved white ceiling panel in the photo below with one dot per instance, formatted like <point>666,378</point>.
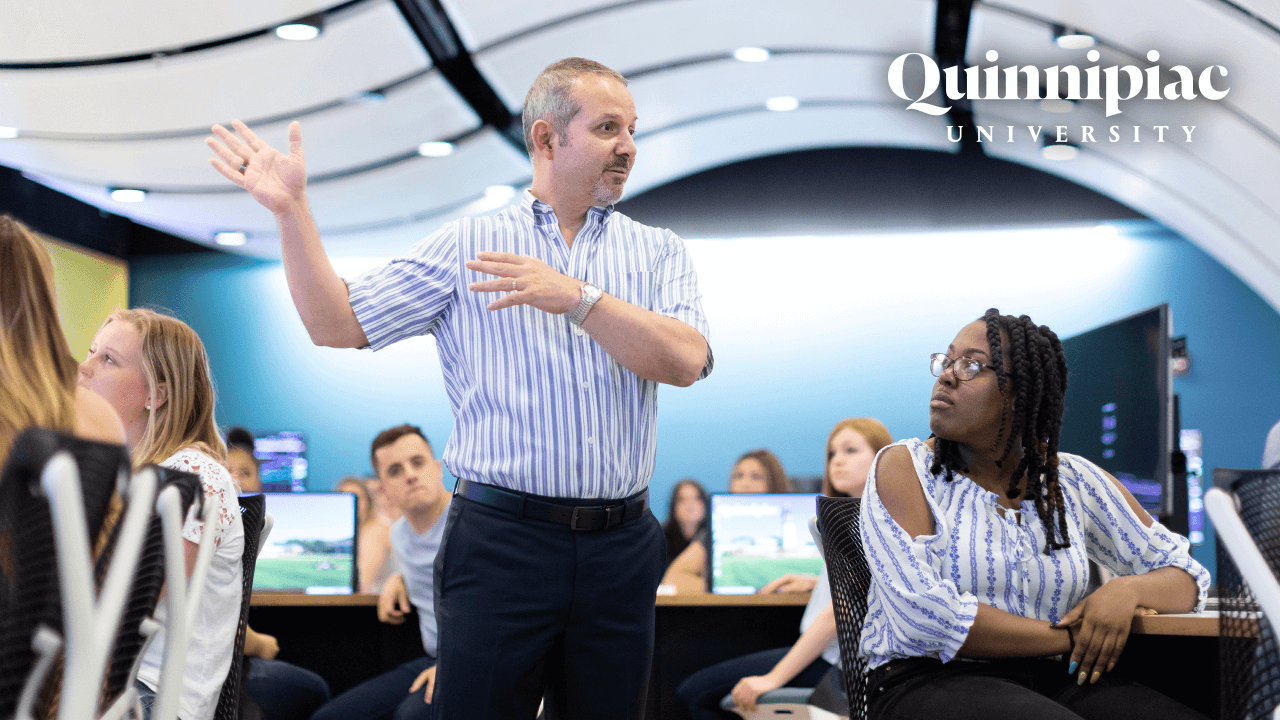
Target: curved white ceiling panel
<point>405,193</point>
<point>482,22</point>
<point>673,154</point>
<point>60,30</point>
<point>649,35</point>
<point>1180,185</point>
<point>342,138</point>
<point>691,91</point>
<point>367,48</point>
<point>1195,33</point>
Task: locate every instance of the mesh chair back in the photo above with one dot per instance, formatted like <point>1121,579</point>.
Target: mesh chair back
<point>1249,657</point>
<point>838,518</point>
<point>252,510</point>
<point>145,591</point>
<point>30,595</point>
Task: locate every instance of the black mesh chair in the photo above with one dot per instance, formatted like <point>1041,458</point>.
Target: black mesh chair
<point>838,519</point>
<point>1249,656</point>
<point>130,641</point>
<point>233,703</point>
<point>29,587</point>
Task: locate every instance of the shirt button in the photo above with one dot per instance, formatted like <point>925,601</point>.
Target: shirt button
<point>586,385</point>
<point>577,330</point>
<point>590,440</point>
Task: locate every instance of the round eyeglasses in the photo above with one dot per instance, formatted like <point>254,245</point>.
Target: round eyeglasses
<point>964,368</point>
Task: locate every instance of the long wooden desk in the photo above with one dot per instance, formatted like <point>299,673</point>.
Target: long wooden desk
<point>339,636</point>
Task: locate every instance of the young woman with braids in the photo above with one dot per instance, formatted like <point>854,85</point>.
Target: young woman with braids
<point>979,539</point>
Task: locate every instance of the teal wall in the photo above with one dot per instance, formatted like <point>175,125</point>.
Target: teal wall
<point>805,330</point>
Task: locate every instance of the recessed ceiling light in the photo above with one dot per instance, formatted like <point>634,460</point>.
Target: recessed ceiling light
<point>231,237</point>
<point>8,133</point>
<point>435,148</point>
<point>1057,105</point>
<point>751,54</point>
<point>784,103</point>
<point>1059,151</point>
<point>1069,38</point>
<point>307,28</point>
<point>128,195</point>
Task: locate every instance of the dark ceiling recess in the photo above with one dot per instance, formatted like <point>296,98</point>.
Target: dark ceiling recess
<point>862,190</point>
<point>950,38</point>
<point>65,218</point>
<point>436,33</point>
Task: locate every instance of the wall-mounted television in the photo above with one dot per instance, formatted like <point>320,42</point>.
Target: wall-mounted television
<point>282,460</point>
<point>1119,407</point>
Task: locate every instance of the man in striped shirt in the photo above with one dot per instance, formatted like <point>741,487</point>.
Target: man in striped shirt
<point>556,319</point>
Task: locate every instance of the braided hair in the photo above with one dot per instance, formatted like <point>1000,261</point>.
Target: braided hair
<point>1037,380</point>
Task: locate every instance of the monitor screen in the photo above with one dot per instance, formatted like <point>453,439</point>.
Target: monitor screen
<point>312,545</point>
<point>1118,403</point>
<point>756,539</point>
<point>282,460</point>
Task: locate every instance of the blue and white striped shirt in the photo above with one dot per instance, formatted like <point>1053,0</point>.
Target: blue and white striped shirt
<point>925,591</point>
<point>537,407</point>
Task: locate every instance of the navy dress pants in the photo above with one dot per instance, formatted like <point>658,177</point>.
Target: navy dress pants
<point>526,606</point>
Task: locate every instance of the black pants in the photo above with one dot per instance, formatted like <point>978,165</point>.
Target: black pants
<point>524,605</point>
<point>925,689</point>
<point>703,690</point>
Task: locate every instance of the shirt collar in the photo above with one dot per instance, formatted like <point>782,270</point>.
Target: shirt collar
<point>543,214</point>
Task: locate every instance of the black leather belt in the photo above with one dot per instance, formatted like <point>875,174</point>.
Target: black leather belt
<point>579,518</point>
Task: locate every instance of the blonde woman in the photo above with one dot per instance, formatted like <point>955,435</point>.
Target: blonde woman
<point>37,370</point>
<point>376,564</point>
<point>153,370</point>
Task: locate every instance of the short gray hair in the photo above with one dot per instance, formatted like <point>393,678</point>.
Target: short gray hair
<point>549,97</point>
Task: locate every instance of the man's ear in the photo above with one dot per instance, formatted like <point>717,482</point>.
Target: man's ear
<point>544,139</point>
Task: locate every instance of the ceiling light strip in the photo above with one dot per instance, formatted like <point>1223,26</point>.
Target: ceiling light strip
<point>170,52</point>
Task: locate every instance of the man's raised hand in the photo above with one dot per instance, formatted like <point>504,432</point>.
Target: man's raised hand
<point>275,180</point>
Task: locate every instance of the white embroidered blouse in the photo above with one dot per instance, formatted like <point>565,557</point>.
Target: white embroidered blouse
<point>925,590</point>
<point>214,633</point>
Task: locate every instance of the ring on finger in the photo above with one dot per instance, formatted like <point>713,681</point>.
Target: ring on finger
<point>243,166</point>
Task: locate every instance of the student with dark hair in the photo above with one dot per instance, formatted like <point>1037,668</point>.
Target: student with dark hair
<point>412,479</point>
<point>758,471</point>
<point>241,460</point>
<point>979,540</point>
<point>686,516</point>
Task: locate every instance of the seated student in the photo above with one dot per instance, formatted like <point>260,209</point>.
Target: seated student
<point>412,479</point>
<point>979,540</point>
<point>852,444</point>
<point>282,690</point>
<point>758,471</point>
<point>686,516</point>
<point>153,370</point>
<point>375,557</point>
<point>37,370</point>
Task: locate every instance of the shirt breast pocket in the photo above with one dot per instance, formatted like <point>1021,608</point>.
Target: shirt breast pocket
<point>634,287</point>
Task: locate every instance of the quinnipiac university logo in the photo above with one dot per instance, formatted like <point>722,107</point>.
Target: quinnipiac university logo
<point>1112,85</point>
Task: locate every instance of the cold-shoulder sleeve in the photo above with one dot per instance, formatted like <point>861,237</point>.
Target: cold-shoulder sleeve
<point>1116,538</point>
<point>912,610</point>
<point>216,482</point>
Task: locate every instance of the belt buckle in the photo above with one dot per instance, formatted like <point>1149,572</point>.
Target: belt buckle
<point>573,519</point>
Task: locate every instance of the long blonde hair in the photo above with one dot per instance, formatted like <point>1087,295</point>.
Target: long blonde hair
<point>37,370</point>
<point>173,356</point>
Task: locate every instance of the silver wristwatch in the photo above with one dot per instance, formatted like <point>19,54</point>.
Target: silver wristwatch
<point>590,294</point>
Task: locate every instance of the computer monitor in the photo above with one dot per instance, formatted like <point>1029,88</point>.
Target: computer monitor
<point>312,545</point>
<point>756,539</point>
<point>1119,406</point>
<point>282,460</point>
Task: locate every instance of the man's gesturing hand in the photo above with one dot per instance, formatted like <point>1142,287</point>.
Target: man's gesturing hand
<point>527,281</point>
<point>276,180</point>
